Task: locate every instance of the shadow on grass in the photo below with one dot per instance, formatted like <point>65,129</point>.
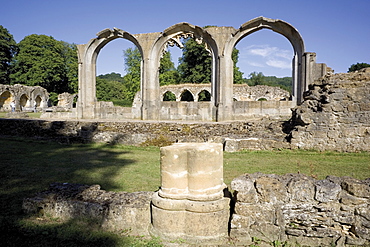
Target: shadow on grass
<point>28,167</point>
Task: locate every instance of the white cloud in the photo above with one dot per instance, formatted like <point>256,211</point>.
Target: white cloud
<point>267,56</point>
<point>279,64</point>
<point>255,64</point>
<point>261,50</point>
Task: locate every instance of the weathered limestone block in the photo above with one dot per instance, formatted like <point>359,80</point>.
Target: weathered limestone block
<point>191,203</point>
<point>301,189</point>
<point>271,190</point>
<point>356,187</point>
<point>327,191</point>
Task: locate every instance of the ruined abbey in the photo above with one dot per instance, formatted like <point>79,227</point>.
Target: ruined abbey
<point>326,111</point>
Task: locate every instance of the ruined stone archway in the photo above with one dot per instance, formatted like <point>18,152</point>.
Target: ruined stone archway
<point>171,36</point>
<point>5,99</point>
<point>289,32</point>
<point>87,56</point>
<point>220,42</point>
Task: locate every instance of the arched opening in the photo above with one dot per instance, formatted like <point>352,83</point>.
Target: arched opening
<point>265,58</point>
<point>204,95</point>
<point>186,96</point>
<point>118,72</point>
<point>5,100</point>
<point>38,101</point>
<point>169,96</point>
<point>23,101</point>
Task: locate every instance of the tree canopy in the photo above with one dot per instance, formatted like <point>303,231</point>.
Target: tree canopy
<point>44,61</point>
<point>8,47</point>
<point>358,66</point>
<point>195,65</point>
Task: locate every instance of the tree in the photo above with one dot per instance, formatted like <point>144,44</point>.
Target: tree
<point>132,61</point>
<point>8,47</point>
<point>69,54</point>
<point>358,66</point>
<point>167,71</point>
<point>46,62</point>
<point>238,75</point>
<point>256,78</point>
<point>195,64</point>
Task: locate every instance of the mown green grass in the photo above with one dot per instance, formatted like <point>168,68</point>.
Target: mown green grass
<point>29,166</point>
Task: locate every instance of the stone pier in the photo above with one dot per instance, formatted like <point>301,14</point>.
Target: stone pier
<point>190,204</point>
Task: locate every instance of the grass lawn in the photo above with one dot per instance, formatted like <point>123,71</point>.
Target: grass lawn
<point>30,166</point>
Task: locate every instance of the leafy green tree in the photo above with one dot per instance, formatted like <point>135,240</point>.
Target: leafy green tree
<point>358,66</point>
<point>112,77</point>
<point>8,48</point>
<point>69,54</point>
<point>195,65</point>
<point>44,61</point>
<point>132,61</point>
<point>256,78</point>
<point>238,75</point>
<point>108,90</point>
<point>167,71</point>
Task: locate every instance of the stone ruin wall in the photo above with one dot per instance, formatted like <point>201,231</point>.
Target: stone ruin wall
<point>301,210</point>
<point>245,105</point>
<point>25,97</point>
<point>335,114</point>
<point>267,209</point>
<point>241,92</point>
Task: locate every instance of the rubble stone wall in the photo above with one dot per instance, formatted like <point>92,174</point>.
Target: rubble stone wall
<point>335,114</point>
<point>260,134</point>
<point>268,209</point>
<point>301,210</point>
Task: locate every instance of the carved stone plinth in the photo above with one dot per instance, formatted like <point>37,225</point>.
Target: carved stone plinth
<point>190,204</point>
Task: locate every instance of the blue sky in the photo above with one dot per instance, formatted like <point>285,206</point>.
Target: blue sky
<point>337,30</point>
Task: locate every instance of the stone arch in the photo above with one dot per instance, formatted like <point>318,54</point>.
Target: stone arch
<point>38,101</point>
<point>204,93</point>
<point>171,36</point>
<point>289,32</point>
<point>5,98</point>
<point>168,96</point>
<point>186,95</point>
<point>24,101</point>
<point>87,56</point>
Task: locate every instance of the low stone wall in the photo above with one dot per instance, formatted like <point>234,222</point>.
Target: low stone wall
<point>269,210</point>
<point>234,135</point>
<point>115,211</point>
<point>300,210</point>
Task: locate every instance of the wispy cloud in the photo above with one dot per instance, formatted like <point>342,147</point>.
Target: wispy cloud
<point>254,64</point>
<point>279,64</point>
<point>266,55</point>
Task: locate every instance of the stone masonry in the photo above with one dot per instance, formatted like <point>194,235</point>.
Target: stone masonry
<point>190,204</point>
<point>300,210</point>
<point>267,209</point>
<point>335,114</point>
